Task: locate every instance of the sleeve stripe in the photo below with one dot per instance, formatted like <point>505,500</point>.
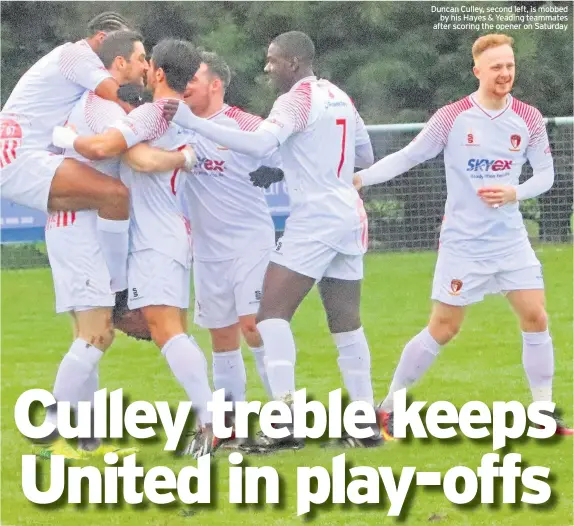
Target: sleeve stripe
<point>147,121</point>
<point>100,113</point>
<point>533,120</point>
<point>246,121</point>
<point>154,121</point>
<point>74,56</point>
<point>297,104</point>
<point>440,126</point>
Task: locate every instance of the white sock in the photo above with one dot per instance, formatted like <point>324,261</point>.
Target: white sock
<point>355,364</point>
<point>417,357</point>
<point>538,362</point>
<point>114,239</point>
<point>229,374</point>
<point>281,355</point>
<point>91,385</point>
<point>260,362</point>
<point>188,365</point>
<point>75,371</point>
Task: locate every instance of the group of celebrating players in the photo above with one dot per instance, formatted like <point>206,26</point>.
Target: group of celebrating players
<point>139,192</point>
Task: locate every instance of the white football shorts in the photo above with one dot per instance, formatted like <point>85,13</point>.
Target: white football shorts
<point>157,279</point>
<point>81,277</point>
<point>26,176</point>
<point>459,281</point>
<point>315,259</point>
<point>225,290</point>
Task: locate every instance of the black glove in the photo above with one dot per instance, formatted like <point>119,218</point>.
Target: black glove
<point>264,176</point>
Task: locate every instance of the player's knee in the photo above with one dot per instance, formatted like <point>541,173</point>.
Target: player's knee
<point>121,194</point>
<point>250,332</point>
<point>226,339</point>
<point>343,321</point>
<point>444,328</point>
<point>272,314</point>
<point>160,335</point>
<point>162,332</point>
<point>117,199</point>
<point>101,339</point>
<point>534,320</point>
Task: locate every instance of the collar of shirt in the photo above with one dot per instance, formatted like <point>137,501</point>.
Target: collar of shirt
<point>304,79</point>
<point>490,113</point>
<point>223,108</point>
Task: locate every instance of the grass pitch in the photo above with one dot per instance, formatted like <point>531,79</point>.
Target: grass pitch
<point>483,363</point>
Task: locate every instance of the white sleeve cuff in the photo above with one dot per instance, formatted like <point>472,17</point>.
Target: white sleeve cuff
<point>129,134</point>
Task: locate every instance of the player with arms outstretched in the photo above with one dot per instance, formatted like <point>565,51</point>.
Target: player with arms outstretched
<point>484,248</point>
<point>321,137</point>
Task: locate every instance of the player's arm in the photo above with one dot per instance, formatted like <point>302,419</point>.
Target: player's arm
<point>426,145</point>
<point>364,155</point>
<point>259,143</point>
<point>94,147</point>
<point>143,124</point>
<point>108,89</point>
<point>540,157</point>
<point>79,64</point>
<point>147,159</point>
<point>289,115</point>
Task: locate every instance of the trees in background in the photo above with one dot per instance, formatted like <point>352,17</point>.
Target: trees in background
<point>385,54</point>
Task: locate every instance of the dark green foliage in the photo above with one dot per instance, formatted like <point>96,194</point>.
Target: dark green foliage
<point>385,54</point>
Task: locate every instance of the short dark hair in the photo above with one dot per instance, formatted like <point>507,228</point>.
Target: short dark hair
<point>296,44</point>
<point>118,44</point>
<point>107,21</point>
<point>179,61</point>
<point>134,95</point>
<point>217,66</point>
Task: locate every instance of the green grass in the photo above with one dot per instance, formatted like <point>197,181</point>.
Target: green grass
<point>484,363</point>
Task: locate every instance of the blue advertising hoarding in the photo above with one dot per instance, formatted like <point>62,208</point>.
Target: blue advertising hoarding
<point>20,224</point>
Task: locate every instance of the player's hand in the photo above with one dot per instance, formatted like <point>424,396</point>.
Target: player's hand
<point>357,181</point>
<point>190,158</point>
<point>170,108</point>
<point>496,196</point>
<point>265,176</point>
<point>176,111</point>
<point>64,137</point>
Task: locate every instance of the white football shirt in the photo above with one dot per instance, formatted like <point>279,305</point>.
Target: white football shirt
<point>318,129</point>
<point>93,115</point>
<point>157,219</point>
<point>46,94</point>
<point>482,148</point>
<point>229,216</point>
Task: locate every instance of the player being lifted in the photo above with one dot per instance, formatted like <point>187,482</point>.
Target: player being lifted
<point>321,138</point>
<point>81,276</point>
<point>160,247</point>
<point>484,247</point>
<point>33,173</point>
<point>233,233</point>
